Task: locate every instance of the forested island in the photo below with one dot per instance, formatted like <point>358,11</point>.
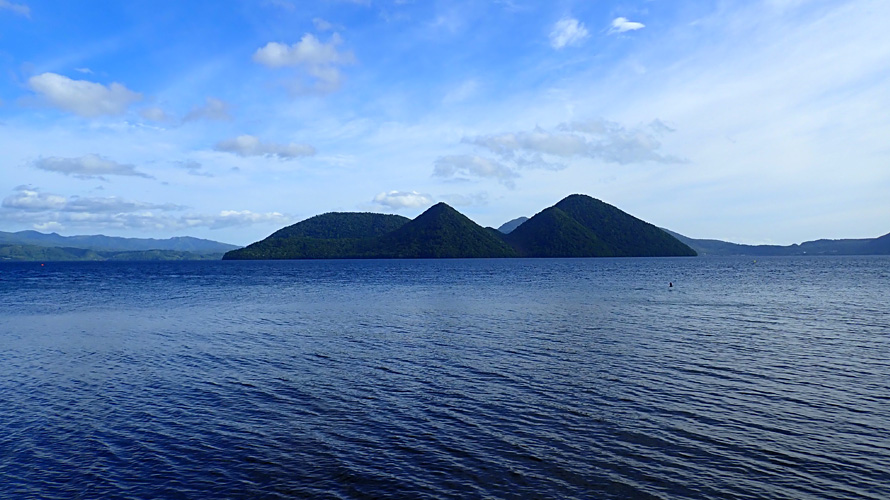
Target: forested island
<point>577,226</point>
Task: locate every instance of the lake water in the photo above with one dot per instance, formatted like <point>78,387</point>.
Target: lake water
<point>564,378</point>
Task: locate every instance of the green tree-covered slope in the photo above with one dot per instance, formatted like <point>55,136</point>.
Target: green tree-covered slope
<point>553,233</point>
<point>581,226</point>
<point>442,232</point>
<point>335,235</point>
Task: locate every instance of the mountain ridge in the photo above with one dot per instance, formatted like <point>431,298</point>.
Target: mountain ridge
<point>582,226</point>
<point>33,253</point>
<point>509,226</point>
<point>443,232</point>
<point>851,246</point>
<point>439,232</point>
<point>577,226</point>
<point>101,242</point>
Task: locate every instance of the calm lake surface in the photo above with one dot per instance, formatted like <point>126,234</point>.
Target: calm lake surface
<point>564,378</point>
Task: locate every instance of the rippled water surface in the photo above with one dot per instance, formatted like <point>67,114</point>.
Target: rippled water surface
<point>562,378</point>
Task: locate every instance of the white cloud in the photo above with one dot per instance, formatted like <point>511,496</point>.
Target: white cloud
<point>27,198</point>
<point>321,61</point>
<point>474,166</point>
<point>402,199</point>
<point>53,212</point>
<point>622,24</point>
<point>248,145</point>
<point>88,166</point>
<point>49,226</point>
<point>33,200</point>
<point>143,220</point>
<point>213,109</point>
<point>309,51</point>
<point>86,71</point>
<point>567,31</point>
<point>18,8</point>
<point>87,99</point>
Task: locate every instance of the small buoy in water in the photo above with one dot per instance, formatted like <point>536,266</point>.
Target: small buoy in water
<point>41,265</point>
<point>670,284</point>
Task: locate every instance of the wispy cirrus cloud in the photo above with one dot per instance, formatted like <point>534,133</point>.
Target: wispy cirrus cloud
<point>18,8</point>
<point>281,4</point>
<point>463,166</point>
<point>594,139</point>
<point>566,32</point>
<point>193,168</point>
<point>466,200</point>
<point>213,109</point>
<point>323,25</point>
<point>541,148</point>
<point>232,218</point>
<point>82,97</point>
<point>156,114</point>
<point>462,92</point>
<point>89,166</point>
<point>249,145</point>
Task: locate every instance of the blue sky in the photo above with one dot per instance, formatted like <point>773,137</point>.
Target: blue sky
<point>759,121</point>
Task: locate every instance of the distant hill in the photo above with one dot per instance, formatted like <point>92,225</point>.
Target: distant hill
<point>335,235</point>
<point>114,244</point>
<point>33,253</point>
<point>508,227</point>
<point>867,246</point>
<point>442,232</point>
<point>581,226</point>
<point>554,233</point>
<point>578,226</point>
<point>878,246</point>
<point>337,225</point>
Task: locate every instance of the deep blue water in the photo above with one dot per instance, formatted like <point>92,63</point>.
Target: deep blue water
<point>564,378</point>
